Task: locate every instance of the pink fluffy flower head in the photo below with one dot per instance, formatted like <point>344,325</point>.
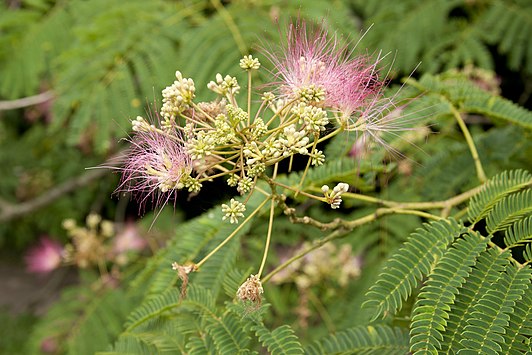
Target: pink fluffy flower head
<point>350,85</point>
<point>155,166</point>
<point>308,60</point>
<point>44,257</point>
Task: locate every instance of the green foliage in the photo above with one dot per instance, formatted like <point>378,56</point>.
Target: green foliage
<point>490,317</point>
<point>505,24</point>
<point>472,289</point>
<point>279,341</point>
<point>445,34</point>
<point>379,339</point>
<point>405,269</point>
<point>496,190</point>
<point>13,337</point>
<point>84,321</point>
<point>454,90</point>
<point>440,291</point>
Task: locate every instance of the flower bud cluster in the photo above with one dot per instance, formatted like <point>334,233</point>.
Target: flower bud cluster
<point>249,63</point>
<point>177,97</point>
<point>233,211</point>
<point>225,86</point>
<point>334,197</point>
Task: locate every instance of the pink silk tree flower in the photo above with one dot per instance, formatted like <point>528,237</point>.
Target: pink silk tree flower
<point>44,257</point>
<point>315,67</point>
<point>308,61</point>
<point>357,88</point>
<point>154,167</point>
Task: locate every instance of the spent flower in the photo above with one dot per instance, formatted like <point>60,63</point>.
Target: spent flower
<point>251,290</point>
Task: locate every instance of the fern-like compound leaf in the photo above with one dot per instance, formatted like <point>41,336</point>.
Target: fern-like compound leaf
<point>509,210</point>
<point>198,298</point>
<point>460,92</point>
<point>495,190</point>
<point>411,263</point>
<point>507,23</point>
<point>491,316</point>
<point>518,336</point>
<point>487,270</point>
<point>379,339</point>
<point>433,305</point>
<point>281,340</point>
<point>527,253</point>
<point>519,233</point>
<point>227,334</point>
<point>154,308</point>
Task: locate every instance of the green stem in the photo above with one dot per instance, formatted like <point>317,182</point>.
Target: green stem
<point>293,189</point>
<point>268,238</point>
<point>226,240</point>
<point>270,224</point>
<point>300,185</point>
<point>249,97</point>
<point>344,228</point>
<point>231,25</point>
<point>478,165</point>
<point>336,234</point>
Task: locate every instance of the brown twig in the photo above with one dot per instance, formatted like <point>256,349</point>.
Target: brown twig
<point>27,101</point>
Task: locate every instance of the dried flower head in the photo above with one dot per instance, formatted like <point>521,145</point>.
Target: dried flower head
<point>182,272</point>
<point>251,290</point>
<point>44,257</point>
<point>88,243</point>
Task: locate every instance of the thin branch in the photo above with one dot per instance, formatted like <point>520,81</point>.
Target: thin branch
<point>9,211</point>
<point>344,227</point>
<point>445,204</point>
<point>27,101</point>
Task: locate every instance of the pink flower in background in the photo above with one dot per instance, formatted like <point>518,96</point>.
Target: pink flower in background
<point>154,166</point>
<point>128,239</point>
<point>44,257</point>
